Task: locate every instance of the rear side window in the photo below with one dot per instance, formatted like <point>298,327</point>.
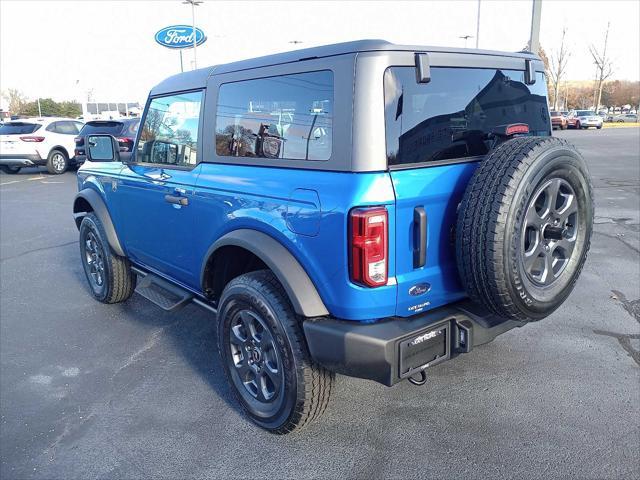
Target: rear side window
<point>285,117</point>
<point>451,116</point>
<point>108,128</point>
<point>170,131</point>
<point>18,128</point>
<point>66,128</point>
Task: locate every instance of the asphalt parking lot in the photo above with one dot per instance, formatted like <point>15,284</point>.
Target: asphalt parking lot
<point>128,391</point>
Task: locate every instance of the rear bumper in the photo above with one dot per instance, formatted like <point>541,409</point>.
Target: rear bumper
<point>21,160</point>
<point>394,349</point>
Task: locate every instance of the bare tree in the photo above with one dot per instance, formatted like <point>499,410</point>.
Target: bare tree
<point>559,59</point>
<point>15,99</point>
<point>604,68</point>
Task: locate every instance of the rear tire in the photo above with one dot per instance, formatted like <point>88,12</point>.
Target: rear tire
<point>10,169</point>
<point>110,277</point>
<point>57,162</point>
<point>265,356</point>
<point>524,227</point>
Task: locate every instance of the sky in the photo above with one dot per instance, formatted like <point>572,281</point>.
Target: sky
<point>63,49</point>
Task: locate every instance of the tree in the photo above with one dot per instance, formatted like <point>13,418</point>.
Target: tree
<point>16,100</point>
<point>557,67</point>
<point>51,108</point>
<point>604,68</point>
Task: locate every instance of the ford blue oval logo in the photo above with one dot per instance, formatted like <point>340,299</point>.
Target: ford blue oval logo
<point>419,289</point>
<point>180,36</point>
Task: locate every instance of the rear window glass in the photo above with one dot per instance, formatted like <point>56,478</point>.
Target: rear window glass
<point>285,117</point>
<point>18,128</point>
<point>108,128</point>
<point>131,128</point>
<point>451,116</point>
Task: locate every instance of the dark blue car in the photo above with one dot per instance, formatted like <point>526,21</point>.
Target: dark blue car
<point>362,208</point>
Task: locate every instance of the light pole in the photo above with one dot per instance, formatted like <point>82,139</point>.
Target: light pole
<point>478,26</point>
<point>194,4</point>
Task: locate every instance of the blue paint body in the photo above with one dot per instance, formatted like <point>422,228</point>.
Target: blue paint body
<point>305,211</point>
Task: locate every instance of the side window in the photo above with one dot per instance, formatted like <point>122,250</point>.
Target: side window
<point>452,116</point>
<point>287,117</point>
<point>66,128</point>
<point>169,133</point>
<point>52,127</point>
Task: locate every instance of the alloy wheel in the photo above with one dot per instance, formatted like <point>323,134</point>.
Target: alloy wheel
<point>58,162</point>
<point>94,257</point>
<point>549,231</point>
<point>254,356</point>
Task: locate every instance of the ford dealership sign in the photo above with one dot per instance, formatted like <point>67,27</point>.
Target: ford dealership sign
<point>179,36</point>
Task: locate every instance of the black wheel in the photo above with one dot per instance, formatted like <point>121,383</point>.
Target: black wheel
<point>57,162</point>
<point>524,227</point>
<point>599,127</point>
<point>578,126</point>
<point>109,275</point>
<point>265,356</point>
<point>10,169</point>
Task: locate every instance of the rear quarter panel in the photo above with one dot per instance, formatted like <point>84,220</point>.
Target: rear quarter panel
<point>230,197</point>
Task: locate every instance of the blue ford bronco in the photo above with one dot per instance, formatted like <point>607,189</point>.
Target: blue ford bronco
<point>364,208</point>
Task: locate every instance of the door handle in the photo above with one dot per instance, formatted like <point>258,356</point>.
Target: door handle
<point>420,237</point>
<point>177,200</point>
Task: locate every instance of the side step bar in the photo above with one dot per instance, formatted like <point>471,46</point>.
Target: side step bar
<point>164,294</point>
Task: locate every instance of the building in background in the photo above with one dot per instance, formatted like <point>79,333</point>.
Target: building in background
<point>110,110</point>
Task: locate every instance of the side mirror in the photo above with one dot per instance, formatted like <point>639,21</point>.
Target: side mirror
<point>102,148</point>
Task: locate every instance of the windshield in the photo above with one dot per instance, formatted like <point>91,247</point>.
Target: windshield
<point>18,128</point>
<point>584,113</point>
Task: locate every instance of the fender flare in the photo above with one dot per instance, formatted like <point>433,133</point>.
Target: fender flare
<point>300,289</point>
<point>98,207</point>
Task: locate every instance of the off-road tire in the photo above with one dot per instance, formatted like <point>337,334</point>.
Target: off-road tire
<point>490,235</point>
<point>9,169</point>
<point>119,280</point>
<point>306,387</point>
<point>57,162</point>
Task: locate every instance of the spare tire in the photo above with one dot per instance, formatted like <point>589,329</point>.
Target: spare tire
<point>524,227</point>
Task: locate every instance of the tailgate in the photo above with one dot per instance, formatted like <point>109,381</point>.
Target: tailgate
<point>429,195</point>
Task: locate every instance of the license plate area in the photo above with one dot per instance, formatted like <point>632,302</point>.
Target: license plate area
<point>425,349</point>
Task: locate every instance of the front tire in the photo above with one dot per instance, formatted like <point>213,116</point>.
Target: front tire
<point>265,357</point>
<point>57,162</point>
<point>110,277</point>
<point>524,227</point>
<point>10,169</point>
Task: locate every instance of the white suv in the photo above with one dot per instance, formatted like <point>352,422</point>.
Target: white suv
<point>38,141</point>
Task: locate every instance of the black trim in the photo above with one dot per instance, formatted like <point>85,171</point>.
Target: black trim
<point>301,291</point>
<point>373,350</point>
<point>102,212</point>
<point>436,163</point>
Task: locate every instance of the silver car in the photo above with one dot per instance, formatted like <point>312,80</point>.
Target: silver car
<point>626,117</point>
<point>585,119</point>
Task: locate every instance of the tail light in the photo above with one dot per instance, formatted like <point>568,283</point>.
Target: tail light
<point>31,138</point>
<point>368,244</point>
<point>79,141</point>
<point>126,143</point>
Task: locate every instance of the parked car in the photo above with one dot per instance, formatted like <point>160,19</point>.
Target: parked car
<point>364,208</point>
<point>558,120</point>
<point>583,119</point>
<point>626,117</point>
<point>124,130</point>
<point>40,141</point>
